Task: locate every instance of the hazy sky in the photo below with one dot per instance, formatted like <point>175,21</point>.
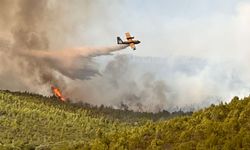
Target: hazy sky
<point>216,31</point>
<point>165,27</point>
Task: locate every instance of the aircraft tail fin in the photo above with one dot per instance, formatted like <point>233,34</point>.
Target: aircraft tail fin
<point>119,40</point>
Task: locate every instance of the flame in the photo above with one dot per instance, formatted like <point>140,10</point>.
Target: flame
<point>57,93</point>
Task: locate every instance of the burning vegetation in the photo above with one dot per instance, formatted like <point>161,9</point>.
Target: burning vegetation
<point>57,93</point>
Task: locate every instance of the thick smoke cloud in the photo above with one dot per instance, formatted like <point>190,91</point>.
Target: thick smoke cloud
<point>26,52</point>
<point>28,63</point>
<point>123,83</point>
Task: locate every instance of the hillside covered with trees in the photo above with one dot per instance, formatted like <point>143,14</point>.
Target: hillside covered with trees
<point>30,121</point>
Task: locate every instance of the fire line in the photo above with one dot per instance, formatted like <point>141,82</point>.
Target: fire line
<point>56,91</point>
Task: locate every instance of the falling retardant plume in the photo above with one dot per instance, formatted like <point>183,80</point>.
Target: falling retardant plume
<point>73,63</point>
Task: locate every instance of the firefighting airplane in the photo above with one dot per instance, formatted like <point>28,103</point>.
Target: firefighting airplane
<point>129,41</point>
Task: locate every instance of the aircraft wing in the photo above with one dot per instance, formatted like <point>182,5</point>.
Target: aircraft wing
<point>132,45</point>
<point>128,35</point>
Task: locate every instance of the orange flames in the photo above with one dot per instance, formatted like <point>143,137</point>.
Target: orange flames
<point>57,93</point>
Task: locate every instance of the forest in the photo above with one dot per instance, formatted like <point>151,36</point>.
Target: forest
<point>30,121</point>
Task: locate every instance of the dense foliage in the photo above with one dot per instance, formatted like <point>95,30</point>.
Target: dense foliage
<point>29,121</point>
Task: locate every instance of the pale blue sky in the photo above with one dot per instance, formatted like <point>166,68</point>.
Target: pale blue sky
<point>166,27</point>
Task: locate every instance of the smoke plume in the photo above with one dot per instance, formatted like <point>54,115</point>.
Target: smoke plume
<point>29,33</point>
<point>123,83</point>
<point>28,62</point>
